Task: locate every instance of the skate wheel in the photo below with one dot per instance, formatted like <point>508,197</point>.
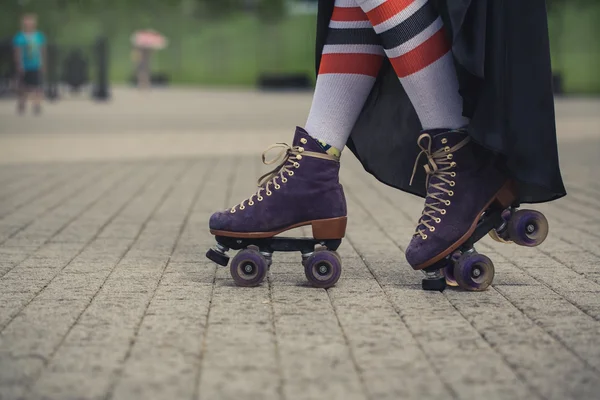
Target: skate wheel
<point>217,257</point>
<point>323,269</point>
<point>322,248</point>
<point>528,228</point>
<point>449,274</point>
<point>335,253</point>
<point>248,268</point>
<point>474,272</point>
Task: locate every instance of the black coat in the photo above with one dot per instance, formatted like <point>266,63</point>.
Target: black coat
<point>501,50</point>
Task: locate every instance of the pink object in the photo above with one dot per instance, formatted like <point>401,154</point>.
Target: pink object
<point>149,39</point>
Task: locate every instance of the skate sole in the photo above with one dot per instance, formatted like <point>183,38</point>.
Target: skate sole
<point>330,228</point>
<point>504,197</point>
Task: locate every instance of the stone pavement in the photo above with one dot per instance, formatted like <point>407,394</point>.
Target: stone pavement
<point>105,292</point>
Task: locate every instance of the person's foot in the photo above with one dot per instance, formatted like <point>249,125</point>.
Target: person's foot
<point>303,189</point>
<point>463,181</point>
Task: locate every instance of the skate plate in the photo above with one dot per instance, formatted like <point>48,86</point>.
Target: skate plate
<point>274,244</point>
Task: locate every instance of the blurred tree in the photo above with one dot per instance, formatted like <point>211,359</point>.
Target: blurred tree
<point>218,9</point>
<point>270,53</point>
<point>271,11</point>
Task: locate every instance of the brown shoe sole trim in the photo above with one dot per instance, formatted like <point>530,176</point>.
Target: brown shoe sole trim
<point>505,197</point>
<point>330,228</point>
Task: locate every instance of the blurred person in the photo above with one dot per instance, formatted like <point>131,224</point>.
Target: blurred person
<point>145,42</point>
<point>30,58</point>
<point>141,58</point>
<point>461,88</point>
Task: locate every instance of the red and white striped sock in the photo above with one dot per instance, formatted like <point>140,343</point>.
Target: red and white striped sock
<point>350,62</point>
<point>412,34</point>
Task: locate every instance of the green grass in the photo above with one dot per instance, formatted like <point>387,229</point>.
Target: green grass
<point>576,47</point>
<point>229,52</point>
<point>235,50</point>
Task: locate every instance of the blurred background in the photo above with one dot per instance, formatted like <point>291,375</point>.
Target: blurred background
<point>237,42</point>
<point>105,292</point>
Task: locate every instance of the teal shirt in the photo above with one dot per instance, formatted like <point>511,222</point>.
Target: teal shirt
<point>31,49</point>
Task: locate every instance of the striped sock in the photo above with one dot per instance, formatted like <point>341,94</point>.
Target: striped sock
<point>412,35</point>
<point>350,62</point>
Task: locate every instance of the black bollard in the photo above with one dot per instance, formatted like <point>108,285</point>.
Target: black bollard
<point>7,67</point>
<point>52,56</point>
<point>75,70</point>
<point>101,91</point>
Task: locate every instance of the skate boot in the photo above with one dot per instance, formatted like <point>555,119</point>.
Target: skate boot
<point>463,181</point>
<point>303,189</point>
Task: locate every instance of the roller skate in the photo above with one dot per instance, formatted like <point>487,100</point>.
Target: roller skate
<point>303,190</point>
<point>467,197</point>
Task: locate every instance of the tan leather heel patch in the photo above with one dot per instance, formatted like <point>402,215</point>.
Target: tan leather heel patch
<point>332,228</point>
<point>507,195</point>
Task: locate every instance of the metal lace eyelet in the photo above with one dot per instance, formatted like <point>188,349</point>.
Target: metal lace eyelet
<point>250,203</point>
<point>449,156</point>
<point>446,149</point>
<point>424,237</point>
<point>260,198</point>
<point>438,220</point>
<point>298,157</point>
<point>452,183</point>
<point>448,202</point>
<point>444,141</point>
<point>232,211</point>
<point>443,212</point>
<point>277,187</point>
<point>269,193</point>
<point>453,164</point>
<point>300,149</point>
<point>432,229</point>
<point>242,207</point>
<point>296,165</point>
<point>303,141</point>
<point>283,180</point>
<point>291,173</point>
<point>451,193</point>
<point>453,174</point>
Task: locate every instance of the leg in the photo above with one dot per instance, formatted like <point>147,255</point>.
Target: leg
<point>33,85</point>
<point>37,98</point>
<point>143,78</point>
<point>21,94</point>
<point>413,37</point>
<point>350,62</point>
<point>304,189</point>
<point>21,100</point>
<point>463,180</point>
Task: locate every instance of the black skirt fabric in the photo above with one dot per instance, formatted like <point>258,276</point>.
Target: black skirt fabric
<point>501,51</point>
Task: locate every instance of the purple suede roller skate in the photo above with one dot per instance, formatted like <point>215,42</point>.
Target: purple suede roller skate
<point>467,197</point>
<point>303,190</point>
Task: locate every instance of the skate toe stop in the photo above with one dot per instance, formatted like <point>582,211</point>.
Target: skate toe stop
<point>217,257</point>
<point>434,284</point>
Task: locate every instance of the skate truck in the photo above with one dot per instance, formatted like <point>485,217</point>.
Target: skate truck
<point>322,264</point>
<point>473,271</point>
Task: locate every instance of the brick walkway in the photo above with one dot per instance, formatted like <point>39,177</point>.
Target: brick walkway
<point>105,292</point>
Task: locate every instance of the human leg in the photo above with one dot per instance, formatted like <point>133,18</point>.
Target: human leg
<point>463,178</point>
<point>351,59</point>
<point>350,62</point>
